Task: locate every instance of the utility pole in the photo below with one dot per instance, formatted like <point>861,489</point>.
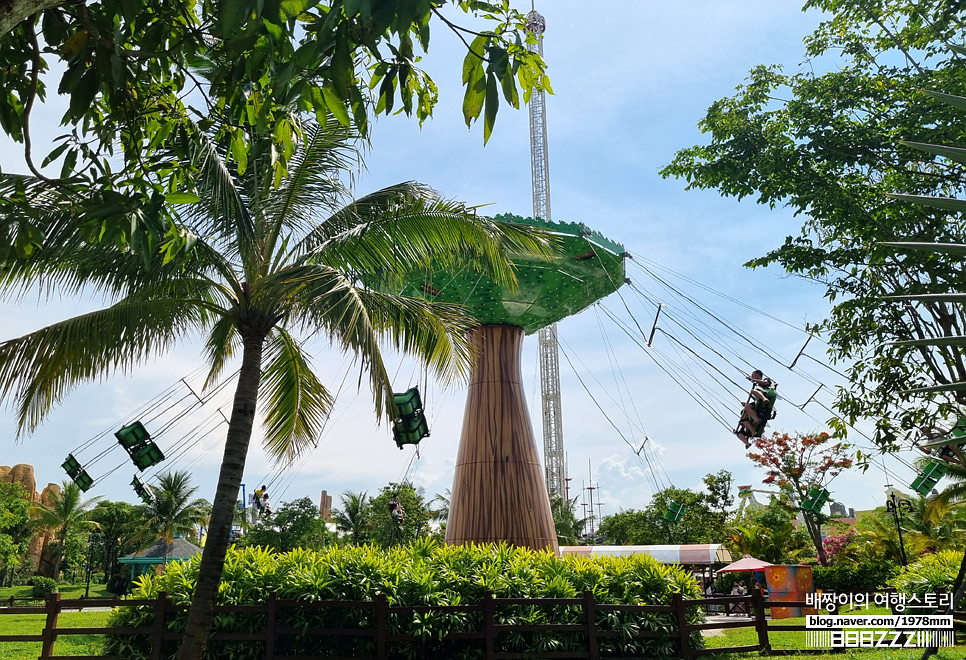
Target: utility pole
<point>553,453</point>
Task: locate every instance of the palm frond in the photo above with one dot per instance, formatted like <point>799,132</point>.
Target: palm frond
<point>407,227</point>
<point>225,207</point>
<point>296,401</point>
<point>358,319</point>
<point>220,347</point>
<point>40,368</point>
<point>313,184</point>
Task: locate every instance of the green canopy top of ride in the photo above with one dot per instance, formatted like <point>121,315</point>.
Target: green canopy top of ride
<point>587,267</point>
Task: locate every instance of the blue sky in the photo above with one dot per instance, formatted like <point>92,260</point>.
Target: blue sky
<point>632,80</point>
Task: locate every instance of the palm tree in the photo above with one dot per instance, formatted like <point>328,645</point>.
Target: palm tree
<point>66,513</point>
<point>351,518</point>
<point>569,527</point>
<point>172,512</point>
<point>253,266</point>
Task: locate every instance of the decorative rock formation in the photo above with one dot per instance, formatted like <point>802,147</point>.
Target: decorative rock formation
<point>40,551</point>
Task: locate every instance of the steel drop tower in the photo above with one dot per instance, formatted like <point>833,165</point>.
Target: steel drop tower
<point>553,452</point>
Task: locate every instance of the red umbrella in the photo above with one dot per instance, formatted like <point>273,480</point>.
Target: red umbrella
<point>744,565</point>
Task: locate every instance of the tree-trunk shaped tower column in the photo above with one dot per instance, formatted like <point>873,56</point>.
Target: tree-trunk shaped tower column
<point>499,493</point>
<point>498,486</point>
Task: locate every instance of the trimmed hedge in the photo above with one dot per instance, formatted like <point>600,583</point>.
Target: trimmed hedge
<point>867,576</point>
<point>423,573</point>
<point>42,586</point>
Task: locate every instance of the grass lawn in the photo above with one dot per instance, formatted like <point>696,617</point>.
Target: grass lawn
<point>33,624</point>
<point>67,591</point>
<point>796,640</point>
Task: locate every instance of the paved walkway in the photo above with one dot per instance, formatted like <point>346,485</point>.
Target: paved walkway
<point>721,618</point>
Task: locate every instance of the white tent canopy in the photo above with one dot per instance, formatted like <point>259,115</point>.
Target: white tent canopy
<point>703,553</point>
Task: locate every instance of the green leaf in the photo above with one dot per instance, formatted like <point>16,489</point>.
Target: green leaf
<point>938,248</point>
<point>933,341</point>
<point>492,106</point>
<point>473,59</point>
<point>82,96</point>
<point>181,198</point>
<point>949,99</point>
<point>475,95</point>
<point>55,154</point>
<point>953,153</point>
<point>945,203</point>
<point>232,15</point>
<point>293,8</point>
<point>335,105</point>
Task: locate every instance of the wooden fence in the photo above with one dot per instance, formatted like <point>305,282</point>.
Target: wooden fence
<point>488,633</point>
<point>272,632</point>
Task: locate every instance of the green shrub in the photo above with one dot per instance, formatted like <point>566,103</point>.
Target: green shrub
<point>424,573</point>
<point>42,586</point>
<point>930,574</point>
<point>867,576</point>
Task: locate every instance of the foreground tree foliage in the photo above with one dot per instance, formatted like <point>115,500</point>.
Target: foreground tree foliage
<point>825,144</point>
<point>425,573</point>
<point>137,71</point>
<point>269,258</point>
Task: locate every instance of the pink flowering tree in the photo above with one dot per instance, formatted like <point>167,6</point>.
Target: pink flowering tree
<point>835,546</point>
<point>798,463</point>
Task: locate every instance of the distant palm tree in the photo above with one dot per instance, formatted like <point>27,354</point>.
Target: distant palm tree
<point>441,512</point>
<point>172,511</point>
<point>66,513</point>
<point>351,518</point>
<point>569,527</point>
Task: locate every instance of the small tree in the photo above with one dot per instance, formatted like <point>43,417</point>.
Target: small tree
<point>769,534</point>
<point>16,529</point>
<point>292,525</point>
<point>798,463</point>
<point>383,529</point>
<point>120,532</point>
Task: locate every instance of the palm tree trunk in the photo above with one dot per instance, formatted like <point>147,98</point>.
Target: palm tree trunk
<point>226,495</point>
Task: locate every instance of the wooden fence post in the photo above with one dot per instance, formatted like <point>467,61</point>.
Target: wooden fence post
<point>684,637</point>
<point>52,604</point>
<point>761,625</point>
<point>157,635</point>
<point>590,611</point>
<point>488,630</point>
<point>271,616</point>
<point>382,625</point>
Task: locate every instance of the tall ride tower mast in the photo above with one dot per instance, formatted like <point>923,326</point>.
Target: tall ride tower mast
<point>553,452</point>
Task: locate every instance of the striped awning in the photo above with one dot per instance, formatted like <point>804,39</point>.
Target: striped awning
<point>701,553</point>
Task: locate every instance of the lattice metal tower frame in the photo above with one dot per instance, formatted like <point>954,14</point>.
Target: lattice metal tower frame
<point>553,450</point>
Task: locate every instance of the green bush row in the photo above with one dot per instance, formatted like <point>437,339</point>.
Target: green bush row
<point>867,576</point>
<point>424,573</point>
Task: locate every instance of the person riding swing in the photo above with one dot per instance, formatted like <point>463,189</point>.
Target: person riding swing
<point>759,409</point>
<point>396,511</point>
